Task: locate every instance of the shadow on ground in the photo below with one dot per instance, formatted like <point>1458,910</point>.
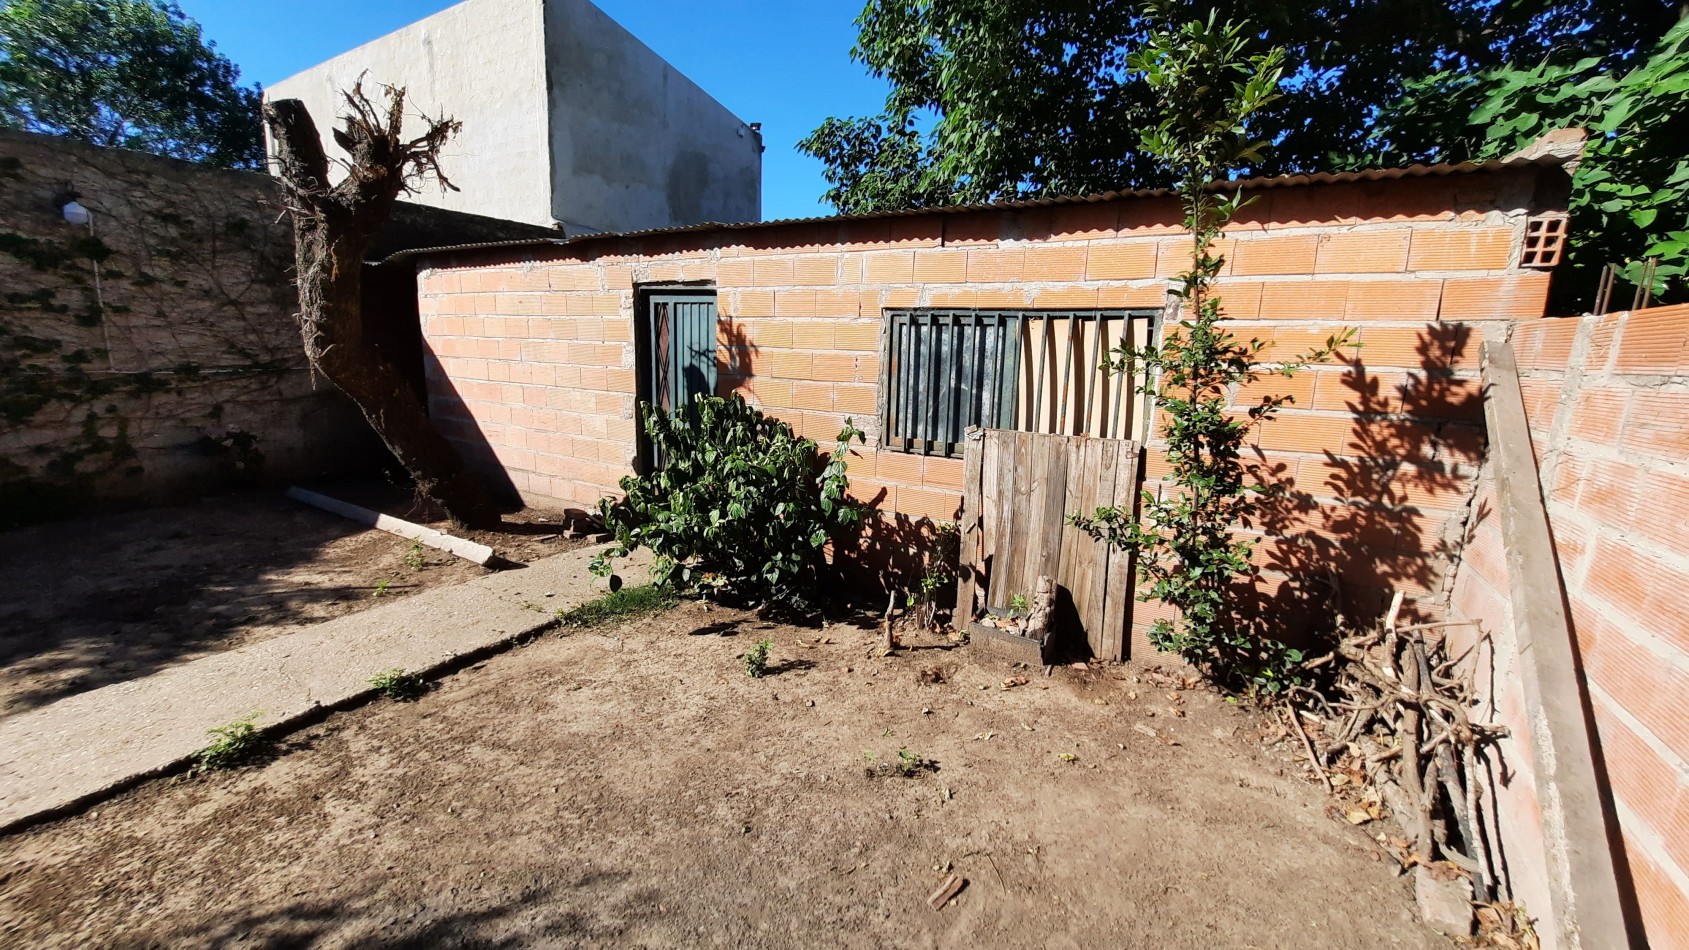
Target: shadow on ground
<point>113,596</point>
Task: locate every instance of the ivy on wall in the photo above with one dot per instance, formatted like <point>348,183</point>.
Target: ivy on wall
<point>172,309</point>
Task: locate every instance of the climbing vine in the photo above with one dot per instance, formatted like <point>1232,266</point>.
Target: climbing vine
<point>164,314</point>
<point>1190,555</point>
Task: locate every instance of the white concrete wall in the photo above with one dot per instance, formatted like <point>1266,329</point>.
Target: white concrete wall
<point>635,144</point>
<point>567,118</point>
<point>480,62</point>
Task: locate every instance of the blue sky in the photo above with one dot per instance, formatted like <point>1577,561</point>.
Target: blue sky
<point>784,63</point>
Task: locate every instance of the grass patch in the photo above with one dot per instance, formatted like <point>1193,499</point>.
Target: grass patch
<point>629,603</point>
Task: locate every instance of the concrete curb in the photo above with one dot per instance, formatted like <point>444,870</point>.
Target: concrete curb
<point>62,758</point>
<point>1588,908</point>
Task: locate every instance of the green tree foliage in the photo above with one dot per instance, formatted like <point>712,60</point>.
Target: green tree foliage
<point>1189,554</point>
<point>1630,196</point>
<point>741,508</point>
<point>994,99</point>
<point>125,73</point>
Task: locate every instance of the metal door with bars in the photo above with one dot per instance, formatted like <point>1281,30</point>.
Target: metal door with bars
<point>677,352</point>
<point>680,348</point>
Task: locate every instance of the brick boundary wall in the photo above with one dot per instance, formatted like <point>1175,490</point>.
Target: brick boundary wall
<point>113,386</point>
<point>532,360</point>
<point>1608,403</point>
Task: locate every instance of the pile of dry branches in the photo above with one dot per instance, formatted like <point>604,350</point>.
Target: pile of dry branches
<point>1399,711</point>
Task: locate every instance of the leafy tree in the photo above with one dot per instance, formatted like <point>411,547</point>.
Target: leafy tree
<point>125,73</point>
<point>1211,90</point>
<point>995,99</point>
<point>1630,195</point>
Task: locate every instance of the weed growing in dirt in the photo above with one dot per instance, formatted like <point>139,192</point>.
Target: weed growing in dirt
<point>398,685</point>
<point>939,556</point>
<point>381,588</point>
<point>629,603</point>
<point>413,557</point>
<point>908,765</point>
<point>232,745</point>
<point>756,659</point>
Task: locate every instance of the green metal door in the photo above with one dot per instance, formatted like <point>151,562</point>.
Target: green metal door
<point>677,359</point>
<point>682,349</point>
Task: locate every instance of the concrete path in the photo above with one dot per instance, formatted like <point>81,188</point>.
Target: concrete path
<point>84,747</point>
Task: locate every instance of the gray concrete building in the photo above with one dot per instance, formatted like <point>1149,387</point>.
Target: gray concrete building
<point>568,119</point>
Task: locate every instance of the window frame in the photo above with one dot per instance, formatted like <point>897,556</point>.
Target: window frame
<point>890,400</point>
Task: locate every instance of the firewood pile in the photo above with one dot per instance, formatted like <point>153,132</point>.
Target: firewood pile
<point>1399,710</point>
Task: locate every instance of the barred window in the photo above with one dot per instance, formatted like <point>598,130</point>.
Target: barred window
<point>1032,370</point>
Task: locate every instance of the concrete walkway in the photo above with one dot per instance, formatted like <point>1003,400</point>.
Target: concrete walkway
<point>82,748</point>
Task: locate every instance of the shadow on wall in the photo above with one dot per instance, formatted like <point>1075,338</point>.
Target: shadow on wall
<point>736,359</point>
<point>889,554</point>
<point>454,419</point>
<point>1370,519</point>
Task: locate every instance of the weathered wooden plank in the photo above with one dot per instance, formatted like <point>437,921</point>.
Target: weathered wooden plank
<point>1088,596</point>
<point>1036,452</point>
<point>1067,567</point>
<point>970,533</point>
<point>998,479</point>
<point>1108,628</point>
<point>1020,533</point>
<point>1049,508</point>
<point>1122,579</point>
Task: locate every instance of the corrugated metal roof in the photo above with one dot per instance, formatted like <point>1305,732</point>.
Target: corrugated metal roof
<point>1555,158</point>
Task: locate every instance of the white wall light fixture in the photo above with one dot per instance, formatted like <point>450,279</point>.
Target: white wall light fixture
<point>76,214</point>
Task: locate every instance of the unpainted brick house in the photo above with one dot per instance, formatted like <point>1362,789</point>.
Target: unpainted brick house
<point>918,324</point>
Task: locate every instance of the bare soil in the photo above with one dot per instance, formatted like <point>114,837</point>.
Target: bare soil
<point>100,599</point>
<point>631,786</point>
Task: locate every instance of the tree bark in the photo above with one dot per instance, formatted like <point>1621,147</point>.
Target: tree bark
<point>1040,620</point>
<point>332,230</point>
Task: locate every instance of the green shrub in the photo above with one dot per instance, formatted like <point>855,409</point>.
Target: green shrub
<point>1190,555</point>
<point>742,509</point>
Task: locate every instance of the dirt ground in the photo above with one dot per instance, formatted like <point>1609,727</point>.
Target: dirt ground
<point>631,786</point>
<point>113,596</point>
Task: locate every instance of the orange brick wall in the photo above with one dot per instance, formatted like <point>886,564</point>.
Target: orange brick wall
<point>1608,404</point>
<point>532,365</point>
<point>1480,592</point>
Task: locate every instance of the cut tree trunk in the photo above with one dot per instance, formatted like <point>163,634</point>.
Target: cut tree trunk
<point>332,230</point>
